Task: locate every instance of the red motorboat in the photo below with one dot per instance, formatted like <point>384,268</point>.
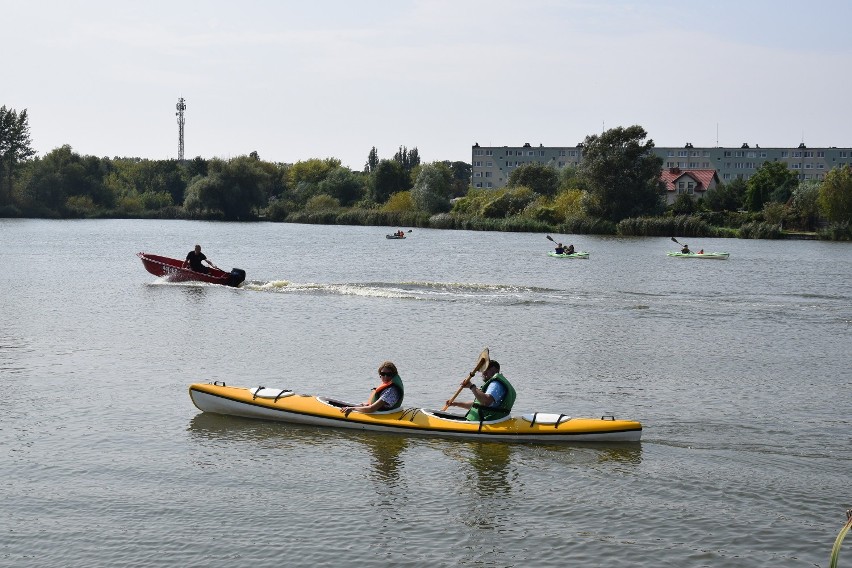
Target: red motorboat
<point>173,269</point>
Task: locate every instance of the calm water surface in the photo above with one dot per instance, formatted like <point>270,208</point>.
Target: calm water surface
<point>739,371</point>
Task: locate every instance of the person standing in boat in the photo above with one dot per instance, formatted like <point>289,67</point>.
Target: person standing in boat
<point>386,396</point>
<point>194,260</point>
<point>491,401</point>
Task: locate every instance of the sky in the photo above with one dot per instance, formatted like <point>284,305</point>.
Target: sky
<point>335,78</point>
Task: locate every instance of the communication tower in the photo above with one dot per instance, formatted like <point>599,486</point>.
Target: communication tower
<point>181,106</point>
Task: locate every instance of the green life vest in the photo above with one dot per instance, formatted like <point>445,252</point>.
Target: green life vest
<point>479,413</point>
<point>395,381</point>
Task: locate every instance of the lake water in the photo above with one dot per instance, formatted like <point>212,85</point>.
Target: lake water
<point>739,371</point>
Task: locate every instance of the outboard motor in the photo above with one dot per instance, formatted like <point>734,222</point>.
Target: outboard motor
<point>237,277</point>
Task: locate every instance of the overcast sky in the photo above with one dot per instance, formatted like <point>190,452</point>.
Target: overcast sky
<point>318,79</point>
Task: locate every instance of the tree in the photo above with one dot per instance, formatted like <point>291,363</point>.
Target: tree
<point>461,177</point>
<point>726,196</point>
<point>431,191</point>
<point>541,178</point>
<point>235,188</point>
<point>772,181</point>
<point>343,184</point>
<point>372,161</point>
<point>408,160</point>
<point>804,205</point>
<point>835,195</point>
<point>622,174</point>
<point>15,147</point>
<point>389,178</point>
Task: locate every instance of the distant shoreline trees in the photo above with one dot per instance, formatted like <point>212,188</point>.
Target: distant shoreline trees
<point>615,190</point>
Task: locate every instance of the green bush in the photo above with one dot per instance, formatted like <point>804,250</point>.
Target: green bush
<point>837,232</point>
<point>759,230</point>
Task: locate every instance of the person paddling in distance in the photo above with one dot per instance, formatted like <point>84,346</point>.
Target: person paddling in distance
<point>386,396</point>
<point>685,249</point>
<point>560,248</point>
<point>194,259</point>
<point>491,401</point>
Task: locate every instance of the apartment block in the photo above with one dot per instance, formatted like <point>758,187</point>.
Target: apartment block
<point>492,165</point>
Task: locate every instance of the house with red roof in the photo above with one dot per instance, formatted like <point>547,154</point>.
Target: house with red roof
<point>694,183</point>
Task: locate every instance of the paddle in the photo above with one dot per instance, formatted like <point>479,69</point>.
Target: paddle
<point>549,238</point>
<point>484,361</point>
<point>681,244</point>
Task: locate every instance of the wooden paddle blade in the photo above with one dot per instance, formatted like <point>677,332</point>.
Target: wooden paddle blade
<point>484,361</point>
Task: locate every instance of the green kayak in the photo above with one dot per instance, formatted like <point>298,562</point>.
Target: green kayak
<point>704,255</point>
<point>578,254</point>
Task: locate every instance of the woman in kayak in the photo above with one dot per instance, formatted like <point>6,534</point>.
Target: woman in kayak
<point>386,396</point>
<point>570,249</point>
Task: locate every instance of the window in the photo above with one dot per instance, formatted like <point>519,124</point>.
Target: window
<point>477,174</point>
<point>488,184</point>
<point>541,152</point>
<point>738,154</point>
<point>489,152</point>
<point>670,154</point>
<point>706,154</point>
<point>820,166</point>
<point>695,153</point>
<point>477,164</point>
<point>726,153</point>
<point>785,154</point>
<point>751,154</point>
<point>561,152</point>
<point>726,176</point>
<point>690,188</point>
<point>530,153</point>
<point>561,164</point>
<point>797,154</point>
<point>809,166</point>
<point>489,164</point>
<point>682,154</point>
<point>820,154</point>
<point>809,154</point>
<point>478,184</point>
<point>477,152</point>
<point>796,166</point>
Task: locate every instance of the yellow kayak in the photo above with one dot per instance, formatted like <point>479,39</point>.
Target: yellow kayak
<point>284,405</point>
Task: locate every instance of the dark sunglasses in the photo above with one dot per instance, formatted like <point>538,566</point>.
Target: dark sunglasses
<point>385,374</point>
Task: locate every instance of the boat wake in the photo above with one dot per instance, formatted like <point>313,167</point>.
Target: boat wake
<point>425,291</point>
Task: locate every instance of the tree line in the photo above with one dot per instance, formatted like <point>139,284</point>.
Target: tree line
<point>615,189</point>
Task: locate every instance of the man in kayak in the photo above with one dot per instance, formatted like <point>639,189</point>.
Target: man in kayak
<point>685,249</point>
<point>560,249</point>
<point>493,400</point>
<point>194,259</point>
<point>386,396</point>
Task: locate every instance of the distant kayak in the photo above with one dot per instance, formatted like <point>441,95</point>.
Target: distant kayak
<point>578,254</point>
<point>173,270</point>
<point>704,255</point>
<point>394,236</point>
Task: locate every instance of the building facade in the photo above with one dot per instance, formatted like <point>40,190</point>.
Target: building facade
<point>492,165</point>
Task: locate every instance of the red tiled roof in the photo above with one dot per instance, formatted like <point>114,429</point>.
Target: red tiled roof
<point>702,178</point>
